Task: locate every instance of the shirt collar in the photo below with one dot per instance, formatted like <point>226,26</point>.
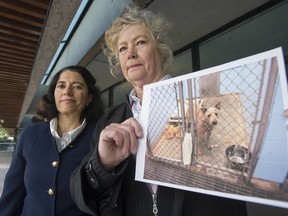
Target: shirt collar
<point>66,137</point>
<point>134,99</point>
<point>53,128</point>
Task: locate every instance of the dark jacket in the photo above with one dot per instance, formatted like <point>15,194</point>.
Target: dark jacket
<point>117,194</point>
<point>36,167</point>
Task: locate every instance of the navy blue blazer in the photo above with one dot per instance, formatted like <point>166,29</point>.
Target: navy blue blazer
<point>37,182</point>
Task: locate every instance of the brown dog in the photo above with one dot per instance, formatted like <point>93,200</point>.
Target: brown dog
<point>206,119</point>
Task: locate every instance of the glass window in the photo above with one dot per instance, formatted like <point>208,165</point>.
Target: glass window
<point>261,33</point>
<point>105,98</point>
<point>120,91</point>
<point>182,64</point>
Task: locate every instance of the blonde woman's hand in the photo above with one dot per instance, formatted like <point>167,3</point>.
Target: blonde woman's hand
<point>118,141</point>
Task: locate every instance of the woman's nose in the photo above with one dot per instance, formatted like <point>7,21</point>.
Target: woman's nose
<point>132,53</point>
<point>67,90</point>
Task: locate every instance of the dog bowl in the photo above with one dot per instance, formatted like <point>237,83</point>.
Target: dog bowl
<point>237,157</point>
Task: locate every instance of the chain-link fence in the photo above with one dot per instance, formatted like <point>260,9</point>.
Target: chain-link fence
<point>213,124</point>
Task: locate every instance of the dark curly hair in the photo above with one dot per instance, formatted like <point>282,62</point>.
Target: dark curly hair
<point>47,106</point>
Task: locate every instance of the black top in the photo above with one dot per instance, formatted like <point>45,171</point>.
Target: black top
<point>100,193</point>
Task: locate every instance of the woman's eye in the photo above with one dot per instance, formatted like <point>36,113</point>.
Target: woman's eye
<point>141,42</point>
<point>122,49</point>
<point>77,87</point>
<point>60,86</point>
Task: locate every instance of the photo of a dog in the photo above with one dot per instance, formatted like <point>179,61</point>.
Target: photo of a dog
<point>205,118</point>
<point>219,131</point>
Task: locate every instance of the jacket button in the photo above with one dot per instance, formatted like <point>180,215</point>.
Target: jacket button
<point>51,192</point>
<point>55,163</point>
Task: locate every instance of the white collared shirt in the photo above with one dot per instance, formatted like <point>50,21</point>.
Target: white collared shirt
<point>67,138</point>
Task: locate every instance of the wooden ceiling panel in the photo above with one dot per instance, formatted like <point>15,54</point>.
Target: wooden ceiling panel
<point>21,25</point>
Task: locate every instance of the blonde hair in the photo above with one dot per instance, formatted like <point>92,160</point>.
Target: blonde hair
<point>155,24</point>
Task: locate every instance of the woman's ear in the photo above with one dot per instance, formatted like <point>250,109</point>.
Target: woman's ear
<point>90,97</point>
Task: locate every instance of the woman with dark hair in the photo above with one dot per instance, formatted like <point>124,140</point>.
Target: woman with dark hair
<point>37,182</point>
<point>91,112</point>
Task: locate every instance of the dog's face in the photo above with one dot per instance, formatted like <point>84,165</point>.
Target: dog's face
<point>211,114</point>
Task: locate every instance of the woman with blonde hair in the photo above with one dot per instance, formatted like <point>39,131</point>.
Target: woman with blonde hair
<point>104,183</point>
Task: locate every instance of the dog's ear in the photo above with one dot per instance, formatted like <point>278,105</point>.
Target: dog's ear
<point>218,105</point>
<point>199,101</point>
<point>203,109</point>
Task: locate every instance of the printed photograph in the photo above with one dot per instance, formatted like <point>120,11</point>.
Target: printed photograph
<point>220,131</point>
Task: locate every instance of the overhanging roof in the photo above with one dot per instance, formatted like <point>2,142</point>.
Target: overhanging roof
<point>21,25</point>
<point>30,33</point>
